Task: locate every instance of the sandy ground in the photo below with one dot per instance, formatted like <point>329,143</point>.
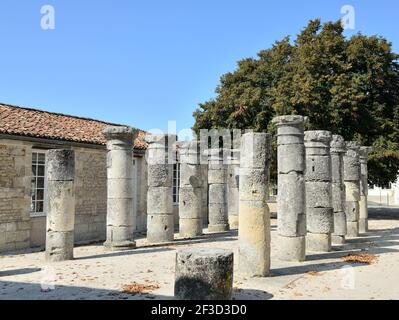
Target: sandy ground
<point>97,274</point>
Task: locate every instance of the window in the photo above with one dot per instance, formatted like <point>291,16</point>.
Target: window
<point>37,183</point>
<point>176,183</point>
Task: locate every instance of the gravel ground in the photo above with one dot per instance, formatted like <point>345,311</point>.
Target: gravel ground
<point>148,271</point>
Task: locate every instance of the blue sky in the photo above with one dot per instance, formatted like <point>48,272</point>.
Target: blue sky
<point>146,62</point>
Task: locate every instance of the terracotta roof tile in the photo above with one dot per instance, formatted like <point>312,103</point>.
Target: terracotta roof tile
<point>42,124</point>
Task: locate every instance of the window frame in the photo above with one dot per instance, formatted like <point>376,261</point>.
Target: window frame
<point>37,152</point>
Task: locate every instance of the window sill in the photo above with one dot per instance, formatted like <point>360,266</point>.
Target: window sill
<point>38,215</point>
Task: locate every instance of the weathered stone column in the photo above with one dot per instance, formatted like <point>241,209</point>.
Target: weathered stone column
<point>338,149</point>
<point>232,188</point>
<point>319,210</point>
<point>254,216</point>
<point>291,198</point>
<point>60,205</point>
<point>160,220</point>
<point>204,274</point>
<point>217,194</point>
<point>364,189</point>
<point>120,219</point>
<point>352,187</point>
<point>190,192</point>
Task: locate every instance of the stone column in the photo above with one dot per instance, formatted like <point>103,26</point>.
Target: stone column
<point>352,187</point>
<point>254,217</point>
<point>364,189</point>
<point>291,198</point>
<point>338,149</point>
<point>204,274</point>
<point>217,192</point>
<point>232,188</point>
<point>319,210</point>
<point>160,220</point>
<point>190,192</point>
<point>120,219</point>
<point>60,205</point>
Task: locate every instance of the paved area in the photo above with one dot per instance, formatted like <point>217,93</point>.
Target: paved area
<point>96,274</point>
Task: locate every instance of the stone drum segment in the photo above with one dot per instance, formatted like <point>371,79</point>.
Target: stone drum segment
<point>291,198</point>
<point>217,192</point>
<point>338,149</point>
<point>120,219</point>
<point>160,220</point>
<point>352,187</point>
<point>204,274</point>
<point>190,191</point>
<point>364,189</point>
<point>254,215</point>
<point>319,211</point>
<point>60,205</point>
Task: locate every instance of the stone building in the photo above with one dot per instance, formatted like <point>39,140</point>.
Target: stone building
<point>25,137</point>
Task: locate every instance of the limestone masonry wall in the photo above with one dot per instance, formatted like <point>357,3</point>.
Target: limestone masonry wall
<point>19,230</point>
<point>14,196</point>
<point>91,194</point>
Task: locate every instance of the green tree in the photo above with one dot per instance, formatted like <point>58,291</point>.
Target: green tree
<point>348,86</point>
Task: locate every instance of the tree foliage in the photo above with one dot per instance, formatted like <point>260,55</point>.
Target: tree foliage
<point>347,86</point>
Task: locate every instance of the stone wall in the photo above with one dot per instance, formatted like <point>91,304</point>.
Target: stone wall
<point>19,230</point>
<point>91,194</point>
<point>14,196</point>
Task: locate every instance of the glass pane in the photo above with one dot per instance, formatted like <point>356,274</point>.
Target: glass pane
<point>32,207</point>
<point>34,170</point>
<point>34,157</point>
<point>40,171</point>
<point>40,194</point>
<point>32,185</point>
<point>41,158</point>
<point>39,206</point>
<point>40,183</point>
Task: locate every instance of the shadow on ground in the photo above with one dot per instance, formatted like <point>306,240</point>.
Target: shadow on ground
<point>16,272</point>
<point>251,294</point>
<point>34,291</point>
<point>214,237</point>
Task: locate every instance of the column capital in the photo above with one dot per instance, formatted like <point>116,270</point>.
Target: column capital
<point>364,152</point>
<point>338,144</point>
<point>290,120</point>
<point>318,136</point>
<point>120,133</point>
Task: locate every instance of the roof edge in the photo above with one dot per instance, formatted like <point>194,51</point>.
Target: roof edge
<point>67,115</point>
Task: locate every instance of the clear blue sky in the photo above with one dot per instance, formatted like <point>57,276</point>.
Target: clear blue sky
<point>146,62</point>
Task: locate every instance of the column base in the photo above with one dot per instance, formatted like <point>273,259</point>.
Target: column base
<point>59,246</point>
<point>190,228</point>
<point>160,228</point>
<point>363,225</point>
<point>318,242</point>
<point>338,240</point>
<point>352,229</point>
<point>119,246</point>
<point>218,228</point>
<point>292,248</point>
